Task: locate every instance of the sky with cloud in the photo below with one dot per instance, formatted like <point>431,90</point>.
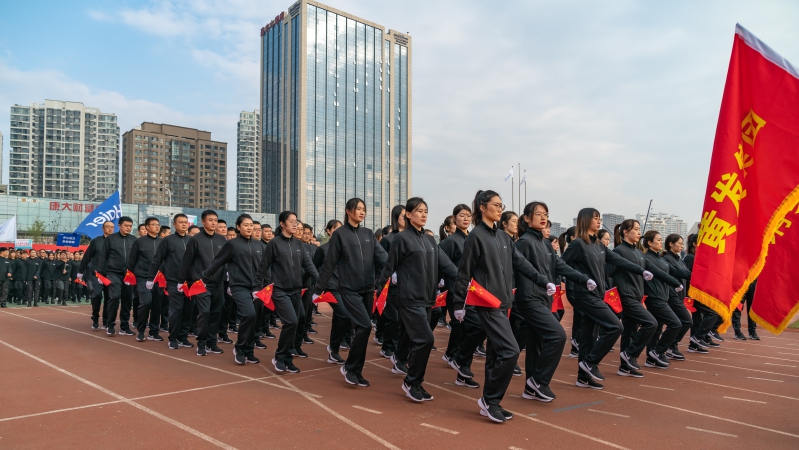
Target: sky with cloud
<point>605,104</point>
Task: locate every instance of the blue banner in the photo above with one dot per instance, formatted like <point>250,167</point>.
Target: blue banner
<point>68,240</point>
<point>109,210</point>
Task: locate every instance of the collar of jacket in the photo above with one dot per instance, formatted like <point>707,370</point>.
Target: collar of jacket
<point>535,233</point>
<point>205,233</point>
<point>348,225</point>
<point>290,238</point>
<point>153,238</point>
<point>493,230</point>
<point>120,234</point>
<point>458,230</point>
<point>623,242</point>
<point>242,238</point>
<point>265,242</point>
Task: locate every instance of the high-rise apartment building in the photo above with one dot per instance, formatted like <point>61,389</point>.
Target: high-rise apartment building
<point>609,221</point>
<point>665,224</point>
<point>168,165</point>
<point>63,150</point>
<point>335,114</point>
<point>1,157</point>
<point>249,163</point>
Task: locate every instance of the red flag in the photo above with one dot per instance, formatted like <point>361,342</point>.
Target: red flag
<point>265,295</point>
<point>613,300</point>
<point>374,302</point>
<point>326,297</point>
<point>302,294</point>
<point>380,304</point>
<point>441,300</point>
<point>689,304</point>
<point>740,307</point>
<point>80,281</point>
<point>130,279</point>
<point>197,288</point>
<point>160,280</point>
<point>643,299</point>
<point>557,300</point>
<point>476,295</point>
<point>753,181</point>
<point>105,281</point>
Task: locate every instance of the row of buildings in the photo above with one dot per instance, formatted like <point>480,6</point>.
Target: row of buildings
<point>334,122</point>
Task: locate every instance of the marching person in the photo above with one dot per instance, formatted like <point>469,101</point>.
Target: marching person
<point>587,255</point>
<point>704,318</point>
<point>490,259</point>
<point>415,264</point>
<point>141,258</point>
<point>32,266</point>
<point>340,323</point>
<point>242,258</point>
<point>112,265</point>
<point>168,259</point>
<point>357,255</point>
<point>97,291</point>
<point>5,276</point>
<point>678,270</point>
<point>387,329</point>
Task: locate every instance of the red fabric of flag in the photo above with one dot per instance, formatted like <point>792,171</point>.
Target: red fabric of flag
<point>689,304</point>
<point>265,295</point>
<point>380,303</point>
<point>160,280</point>
<point>197,288</point>
<point>130,279</point>
<point>557,300</point>
<point>326,297</point>
<point>613,300</point>
<point>80,281</point>
<point>105,281</point>
<point>753,182</point>
<point>441,300</point>
<point>477,295</point>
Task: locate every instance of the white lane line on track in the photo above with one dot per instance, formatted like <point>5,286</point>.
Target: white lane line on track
<point>755,356</point>
<point>781,365</point>
<point>744,400</point>
<point>366,409</point>
<point>746,368</point>
<point>688,370</point>
<point>713,357</point>
<point>712,432</point>
<point>656,387</point>
<point>439,428</point>
<point>764,379</point>
<point>609,413</point>
<point>138,406</point>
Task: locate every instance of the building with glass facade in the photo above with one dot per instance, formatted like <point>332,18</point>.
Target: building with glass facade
<point>249,167</point>
<point>63,150</point>
<point>335,114</point>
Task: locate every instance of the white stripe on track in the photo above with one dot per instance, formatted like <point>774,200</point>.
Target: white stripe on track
<point>713,432</point>
<point>609,413</point>
<point>366,409</point>
<point>744,400</point>
<point>439,428</point>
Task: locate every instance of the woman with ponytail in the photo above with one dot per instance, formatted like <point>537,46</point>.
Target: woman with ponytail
<point>679,270</point>
<point>588,255</point>
<point>446,228</point>
<point>577,317</point>
<point>704,318</point>
<point>388,327</point>
<point>490,260</point>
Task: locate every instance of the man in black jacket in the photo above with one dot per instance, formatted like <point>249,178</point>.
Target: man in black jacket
<point>168,259</point>
<point>141,258</point>
<point>36,259</point>
<point>5,276</point>
<point>88,265</point>
<point>32,266</point>
<point>113,265</point>
<point>49,274</point>
<point>200,252</point>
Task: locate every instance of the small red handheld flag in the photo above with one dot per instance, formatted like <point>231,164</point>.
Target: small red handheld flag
<point>381,299</point>
<point>302,294</point>
<point>476,295</point>
<point>689,304</point>
<point>740,306</point>
<point>102,279</point>
<point>197,288</point>
<point>160,279</point>
<point>326,297</point>
<point>130,279</point>
<point>613,300</point>
<point>80,281</point>
<point>374,302</point>
<point>557,300</point>
<point>265,295</point>
<point>643,299</point>
<point>441,300</point>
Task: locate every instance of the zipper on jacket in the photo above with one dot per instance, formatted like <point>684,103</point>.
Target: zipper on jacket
<point>363,265</point>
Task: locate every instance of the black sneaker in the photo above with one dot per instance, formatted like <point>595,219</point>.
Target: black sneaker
<point>293,352</point>
<point>379,339</point>
<point>575,344</point>
<point>753,335</point>
<point>291,368</point>
<point>693,348</point>
<point>301,353</point>
<point>307,340</point>
<point>344,346</point>
<point>163,330</point>
<point>224,340</point>
<point>201,349</point>
<point>574,353</point>
<point>626,370</point>
<point>399,368</point>
<point>530,394</point>
<point>334,357</point>
<point>675,354</point>
<point>313,324</point>
<point>192,334</point>
<point>280,366</point>
<point>268,334</point>
<point>493,412</point>
<point>467,382</point>
<point>349,377</point>
<point>260,345</point>
<point>659,357</point>
<point>361,380</point>
<point>154,337</point>
<point>413,392</point>
<point>234,329</point>
<point>464,371</point>
<point>186,343</point>
<point>312,331</point>
<point>739,336</point>
<point>110,330</point>
<point>716,336</point>
<point>274,326</point>
<point>656,363</point>
<point>387,353</point>
<point>711,343</point>
<point>173,345</point>
<point>95,325</point>
<point>434,349</point>
<point>698,342</point>
<point>589,383</point>
<point>239,357</point>
<point>213,348</point>
<point>251,359</point>
<point>480,351</point>
<point>140,337</point>
<point>126,332</point>
<point>446,358</point>
<point>517,371</point>
<point>591,370</point>
<point>508,415</point>
<point>426,395</point>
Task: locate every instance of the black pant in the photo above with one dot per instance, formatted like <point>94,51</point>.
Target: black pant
<point>340,323</point>
<point>417,324</point>
<point>147,308</point>
<point>677,305</point>
<point>180,309</point>
<point>48,294</point>
<point>660,309</point>
<point>288,305</point>
<point>359,306</point>
<point>118,293</point>
<point>246,337</point>
<point>390,324</point>
<point>545,339</point>
<point>519,326</point>
<point>736,315</point>
<point>63,290</point>
<point>598,331</point>
<point>302,314</point>
<point>37,289</point>
<point>27,292</point>
<point>209,307</point>
<point>5,286</point>
<point>435,316</point>
<point>704,319</point>
<point>502,353</point>
<point>99,296</point>
<point>307,303</point>
<point>473,334</point>
<point>455,331</point>
<point>163,300</point>
<point>639,326</point>
<point>227,312</point>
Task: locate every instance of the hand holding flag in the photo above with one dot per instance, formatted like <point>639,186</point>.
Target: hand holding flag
<point>130,279</point>
<point>441,300</point>
<point>613,300</point>
<point>265,295</point>
<point>477,295</point>
<point>105,281</point>
<point>326,297</point>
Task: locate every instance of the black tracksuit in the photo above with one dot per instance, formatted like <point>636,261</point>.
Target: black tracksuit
<point>545,336</point>
<point>49,274</point>
<point>36,285</point>
<point>6,274</point>
<point>419,264</point>
<point>88,265</point>
<point>657,303</point>
<point>168,259</point>
<point>284,262</point>
<point>490,258</point>
<point>466,336</point>
<point>388,324</point>
<point>141,258</point>
<point>639,324</point>
<point>32,266</point>
<point>113,264</point>
<point>356,256</point>
<point>17,268</point>
<point>340,324</point>
<point>679,270</point>
<point>201,250</point>
<point>75,289</point>
<point>242,257</point>
<point>590,259</point>
<point>64,271</point>
<point>704,318</point>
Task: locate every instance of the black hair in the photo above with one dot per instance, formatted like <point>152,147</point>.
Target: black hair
<point>284,216</point>
<point>396,212</point>
<point>193,227</point>
<point>240,220</point>
<point>332,224</point>
<point>690,246</point>
<point>352,205</point>
<point>305,226</point>
<point>379,234</point>
<point>529,210</point>
<point>649,236</point>
<point>481,199</point>
<point>266,225</point>
<point>150,220</point>
<point>442,230</point>
<point>221,221</point>
<point>505,218</point>
<point>584,219</point>
<point>621,228</point>
<point>229,229</point>
<point>208,212</point>
<point>671,239</point>
<point>565,238</point>
<point>163,228</point>
<point>125,219</point>
<point>386,230</point>
<point>255,222</point>
<point>601,233</point>
<point>178,216</point>
<point>141,225</point>
<point>457,209</point>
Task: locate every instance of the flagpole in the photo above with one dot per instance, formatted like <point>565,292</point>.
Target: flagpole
<point>525,188</point>
<point>511,185</point>
<point>519,187</point>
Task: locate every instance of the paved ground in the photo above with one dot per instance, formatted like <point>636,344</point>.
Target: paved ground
<point>66,386</point>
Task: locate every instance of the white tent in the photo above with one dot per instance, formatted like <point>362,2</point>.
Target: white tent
<point>8,230</point>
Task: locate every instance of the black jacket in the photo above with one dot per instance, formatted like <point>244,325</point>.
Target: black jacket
<point>393,289</point>
<point>657,288</point>
<point>18,269</point>
<point>319,259</point>
<point>200,252</point>
<point>308,279</point>
<point>169,257</point>
<point>452,246</point>
<point>242,257</point>
<point>141,256</point>
<point>357,255</point>
<point>92,256</point>
<point>419,264</point>
<point>491,258</point>
<point>542,256</point>
<point>7,266</point>
<point>590,259</point>
<point>631,285</point>
<point>75,268</point>
<point>65,266</point>
<point>680,271</point>
<point>116,251</point>
<point>49,270</point>
<point>284,262</point>
<point>32,267</point>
